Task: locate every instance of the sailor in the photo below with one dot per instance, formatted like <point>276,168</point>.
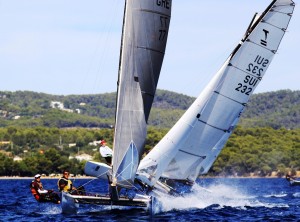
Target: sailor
<point>40,194</point>
<point>289,177</point>
<point>105,152</point>
<point>65,184</point>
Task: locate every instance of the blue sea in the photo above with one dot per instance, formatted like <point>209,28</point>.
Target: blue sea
<point>211,199</point>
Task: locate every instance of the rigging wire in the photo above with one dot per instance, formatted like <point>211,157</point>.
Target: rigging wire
<point>99,61</point>
<point>97,177</point>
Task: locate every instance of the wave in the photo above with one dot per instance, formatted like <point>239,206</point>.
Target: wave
<point>216,196</point>
<point>275,195</point>
<point>296,194</point>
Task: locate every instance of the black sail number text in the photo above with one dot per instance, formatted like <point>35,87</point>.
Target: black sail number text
<point>244,89</point>
<point>164,21</point>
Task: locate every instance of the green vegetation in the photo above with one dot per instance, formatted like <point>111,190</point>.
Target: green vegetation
<point>267,138</point>
<point>260,151</point>
<point>273,109</point>
<point>46,150</point>
<point>30,109</point>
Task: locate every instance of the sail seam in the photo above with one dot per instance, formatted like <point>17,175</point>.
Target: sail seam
<point>203,157</point>
<point>243,104</point>
<point>280,12</point>
<point>153,50</point>
<point>258,77</point>
<point>282,29</point>
<point>155,12</point>
<point>224,130</point>
<point>146,93</point>
<point>284,5</point>
<point>273,51</point>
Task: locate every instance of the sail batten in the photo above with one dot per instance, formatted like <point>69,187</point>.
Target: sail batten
<point>151,49</point>
<point>243,104</point>
<point>192,154</point>
<point>155,12</point>
<point>224,130</point>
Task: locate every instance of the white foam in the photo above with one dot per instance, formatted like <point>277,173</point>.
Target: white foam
<point>219,195</point>
<point>52,209</point>
<point>276,195</point>
<point>296,194</point>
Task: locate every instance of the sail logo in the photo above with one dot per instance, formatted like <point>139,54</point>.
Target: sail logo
<point>264,41</point>
<point>164,3</point>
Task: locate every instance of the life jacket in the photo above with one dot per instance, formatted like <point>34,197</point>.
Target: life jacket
<point>34,190</point>
<point>68,187</point>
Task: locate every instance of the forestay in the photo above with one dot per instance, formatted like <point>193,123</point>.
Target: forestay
<point>144,37</point>
<point>193,144</point>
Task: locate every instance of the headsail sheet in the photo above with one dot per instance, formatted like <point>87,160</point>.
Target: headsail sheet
<point>193,144</point>
<point>145,31</point>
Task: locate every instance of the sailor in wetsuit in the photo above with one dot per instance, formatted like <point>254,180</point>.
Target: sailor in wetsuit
<point>40,194</point>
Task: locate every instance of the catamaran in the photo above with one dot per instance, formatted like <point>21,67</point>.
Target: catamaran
<point>190,148</point>
<point>144,38</point>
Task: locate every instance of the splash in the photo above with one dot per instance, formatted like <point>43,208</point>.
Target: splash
<point>276,195</point>
<point>51,209</point>
<point>217,196</point>
<point>296,194</point>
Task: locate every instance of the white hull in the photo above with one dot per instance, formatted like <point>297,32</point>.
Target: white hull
<point>99,170</point>
<point>71,203</point>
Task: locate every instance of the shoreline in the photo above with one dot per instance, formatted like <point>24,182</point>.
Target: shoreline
<point>45,177</point>
<point>89,177</point>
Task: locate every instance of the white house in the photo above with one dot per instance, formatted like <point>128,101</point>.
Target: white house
<point>72,145</point>
<point>95,143</point>
<point>83,156</point>
<point>17,158</point>
<point>56,104</point>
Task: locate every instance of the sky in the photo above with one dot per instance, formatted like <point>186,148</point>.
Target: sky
<point>65,47</point>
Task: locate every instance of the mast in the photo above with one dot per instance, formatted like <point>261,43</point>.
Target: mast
<point>120,57</point>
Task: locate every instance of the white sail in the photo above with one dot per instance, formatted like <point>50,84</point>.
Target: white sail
<point>145,31</point>
<point>193,144</point>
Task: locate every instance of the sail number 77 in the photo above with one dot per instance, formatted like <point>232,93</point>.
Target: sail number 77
<point>164,27</point>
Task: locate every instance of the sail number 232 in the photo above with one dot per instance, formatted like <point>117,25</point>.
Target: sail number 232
<point>255,70</point>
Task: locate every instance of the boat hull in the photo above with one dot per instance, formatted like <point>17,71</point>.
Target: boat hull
<point>70,203</point>
<point>294,182</point>
<point>95,169</point>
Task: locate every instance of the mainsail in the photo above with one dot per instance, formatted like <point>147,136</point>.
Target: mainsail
<point>193,144</point>
<point>144,38</point>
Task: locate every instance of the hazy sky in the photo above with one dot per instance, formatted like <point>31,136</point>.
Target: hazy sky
<point>72,46</point>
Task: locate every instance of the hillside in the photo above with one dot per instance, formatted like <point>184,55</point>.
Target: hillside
<point>273,109</point>
<point>29,109</point>
<point>249,151</point>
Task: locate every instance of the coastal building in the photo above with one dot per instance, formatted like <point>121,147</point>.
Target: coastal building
<point>83,156</point>
<point>95,143</point>
<point>17,158</point>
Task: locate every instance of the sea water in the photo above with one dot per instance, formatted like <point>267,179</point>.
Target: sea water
<point>211,199</point>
